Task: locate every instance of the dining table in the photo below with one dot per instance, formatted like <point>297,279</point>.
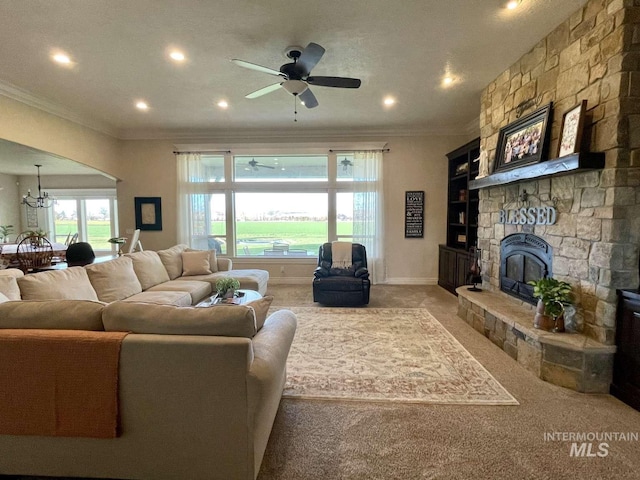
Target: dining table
<point>9,251</point>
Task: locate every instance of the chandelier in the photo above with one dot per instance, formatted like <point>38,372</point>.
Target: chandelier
<point>43,200</point>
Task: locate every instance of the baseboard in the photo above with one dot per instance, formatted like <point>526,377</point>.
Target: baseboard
<point>411,281</point>
<point>390,281</point>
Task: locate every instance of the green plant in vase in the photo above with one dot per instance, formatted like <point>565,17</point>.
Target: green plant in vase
<point>120,241</point>
<point>5,230</point>
<point>553,295</point>
<point>226,287</point>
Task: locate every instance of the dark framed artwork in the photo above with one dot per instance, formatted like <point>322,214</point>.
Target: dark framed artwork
<point>414,214</point>
<point>148,213</point>
<point>524,141</point>
<point>571,130</point>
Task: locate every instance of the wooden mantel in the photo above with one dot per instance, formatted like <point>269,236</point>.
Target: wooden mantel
<point>569,164</point>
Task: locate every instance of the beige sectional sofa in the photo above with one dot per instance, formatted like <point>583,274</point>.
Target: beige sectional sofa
<point>198,388</point>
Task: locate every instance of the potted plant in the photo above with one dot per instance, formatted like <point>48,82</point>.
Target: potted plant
<point>5,230</point>
<point>553,295</point>
<point>120,241</point>
<point>227,286</point>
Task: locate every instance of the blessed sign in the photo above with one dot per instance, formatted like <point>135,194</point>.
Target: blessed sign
<point>529,216</point>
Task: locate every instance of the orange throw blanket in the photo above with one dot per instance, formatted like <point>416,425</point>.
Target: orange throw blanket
<point>59,382</point>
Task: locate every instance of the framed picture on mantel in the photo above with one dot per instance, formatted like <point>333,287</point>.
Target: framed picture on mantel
<point>571,131</point>
<point>524,141</point>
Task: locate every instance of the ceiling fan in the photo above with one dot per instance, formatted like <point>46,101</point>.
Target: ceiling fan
<point>253,164</point>
<point>346,163</point>
<point>295,76</point>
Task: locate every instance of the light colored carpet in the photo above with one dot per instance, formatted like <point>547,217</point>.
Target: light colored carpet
<point>384,354</point>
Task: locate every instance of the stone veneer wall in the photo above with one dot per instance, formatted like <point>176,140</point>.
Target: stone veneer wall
<point>593,55</point>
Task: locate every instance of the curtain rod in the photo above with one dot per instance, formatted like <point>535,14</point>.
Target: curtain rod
<point>383,150</point>
<point>202,151</point>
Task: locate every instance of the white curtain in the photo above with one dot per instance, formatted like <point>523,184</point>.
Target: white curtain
<point>368,211</point>
<point>192,201</point>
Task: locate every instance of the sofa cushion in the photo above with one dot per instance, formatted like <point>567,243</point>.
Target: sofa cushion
<point>9,284</point>
<point>213,259</point>
<point>149,268</point>
<point>52,314</point>
<point>69,284</point>
<point>172,260</point>
<point>261,308</point>
<point>223,320</point>
<point>114,280</point>
<point>198,290</point>
<point>195,263</point>
<point>162,297</point>
<point>250,279</point>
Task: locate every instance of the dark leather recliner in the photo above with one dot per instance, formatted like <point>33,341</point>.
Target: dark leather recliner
<point>80,254</point>
<point>341,287</point>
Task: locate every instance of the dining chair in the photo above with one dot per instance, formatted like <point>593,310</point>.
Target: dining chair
<point>22,236</point>
<point>34,253</point>
<point>73,239</point>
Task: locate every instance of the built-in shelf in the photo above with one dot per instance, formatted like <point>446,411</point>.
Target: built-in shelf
<point>568,164</point>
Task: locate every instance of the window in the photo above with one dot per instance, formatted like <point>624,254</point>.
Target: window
<point>93,215</point>
<point>279,205</point>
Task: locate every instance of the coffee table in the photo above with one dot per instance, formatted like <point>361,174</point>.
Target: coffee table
<point>242,297</point>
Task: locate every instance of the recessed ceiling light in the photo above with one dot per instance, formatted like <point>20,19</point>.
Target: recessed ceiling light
<point>389,101</point>
<point>62,58</point>
<point>513,4</point>
<point>142,105</point>
<point>223,104</point>
<point>177,55</point>
<point>447,80</point>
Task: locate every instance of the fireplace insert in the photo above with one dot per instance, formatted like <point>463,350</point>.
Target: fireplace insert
<point>523,257</point>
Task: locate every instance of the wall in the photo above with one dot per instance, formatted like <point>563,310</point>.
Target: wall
<point>9,204</point>
<point>593,55</point>
<point>35,128</point>
<point>413,163</point>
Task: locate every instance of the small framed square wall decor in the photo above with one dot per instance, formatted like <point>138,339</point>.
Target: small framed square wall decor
<point>571,130</point>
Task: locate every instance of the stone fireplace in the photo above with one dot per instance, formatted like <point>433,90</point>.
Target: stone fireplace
<point>523,257</point>
<point>594,243</point>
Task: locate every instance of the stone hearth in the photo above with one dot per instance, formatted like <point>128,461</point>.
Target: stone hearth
<point>570,360</point>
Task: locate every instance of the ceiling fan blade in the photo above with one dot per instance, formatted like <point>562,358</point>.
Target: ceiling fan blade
<point>263,91</point>
<point>308,98</point>
<point>339,82</point>
<point>310,56</point>
<point>266,166</point>
<point>259,68</point>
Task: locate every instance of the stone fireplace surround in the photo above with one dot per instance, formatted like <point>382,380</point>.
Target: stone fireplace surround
<point>593,55</point>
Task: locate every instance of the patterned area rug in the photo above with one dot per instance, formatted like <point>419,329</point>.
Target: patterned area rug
<point>384,354</point>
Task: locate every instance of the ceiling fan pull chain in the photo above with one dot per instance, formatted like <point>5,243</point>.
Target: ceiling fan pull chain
<point>295,109</point>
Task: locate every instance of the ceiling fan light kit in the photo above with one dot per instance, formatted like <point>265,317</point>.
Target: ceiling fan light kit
<point>295,76</point>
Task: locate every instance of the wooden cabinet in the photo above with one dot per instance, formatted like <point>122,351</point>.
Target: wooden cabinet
<point>626,365</point>
<point>462,216</point>
<point>453,268</point>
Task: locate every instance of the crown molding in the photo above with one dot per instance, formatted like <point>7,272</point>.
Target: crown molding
<point>233,134</point>
<point>23,96</point>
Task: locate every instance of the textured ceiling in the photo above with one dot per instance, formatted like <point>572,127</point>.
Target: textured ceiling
<point>400,48</point>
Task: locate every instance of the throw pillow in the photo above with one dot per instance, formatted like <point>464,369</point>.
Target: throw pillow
<point>195,263</point>
<point>149,268</point>
<point>172,260</point>
<point>69,284</point>
<point>213,258</point>
<point>113,280</point>
<point>261,307</point>
<point>3,298</point>
<point>9,286</point>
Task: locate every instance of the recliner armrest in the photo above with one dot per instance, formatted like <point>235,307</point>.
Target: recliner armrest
<point>362,273</point>
<point>320,272</point>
